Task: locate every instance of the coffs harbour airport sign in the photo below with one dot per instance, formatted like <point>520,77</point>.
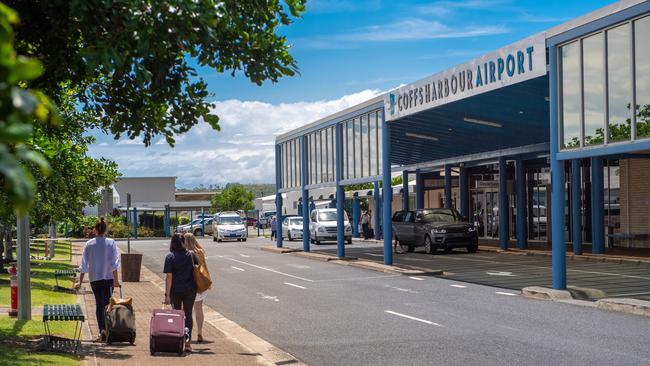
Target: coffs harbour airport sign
<point>509,65</point>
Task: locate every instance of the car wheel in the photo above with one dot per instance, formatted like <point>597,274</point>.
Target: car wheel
<point>472,248</point>
<point>214,238</point>
<point>219,240</point>
<point>198,232</point>
<point>243,239</point>
<point>349,241</point>
<point>316,241</point>
<point>289,237</point>
<point>428,245</point>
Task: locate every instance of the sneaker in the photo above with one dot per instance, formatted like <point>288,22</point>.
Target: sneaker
<point>188,347</point>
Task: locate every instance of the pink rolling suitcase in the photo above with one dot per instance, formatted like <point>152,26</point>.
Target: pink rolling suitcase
<point>167,331</point>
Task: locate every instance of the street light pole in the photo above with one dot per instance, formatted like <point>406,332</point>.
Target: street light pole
<point>24,286</point>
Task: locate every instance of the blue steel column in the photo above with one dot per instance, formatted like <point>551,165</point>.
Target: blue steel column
<point>377,200</point>
<point>135,223</point>
<point>340,195</point>
<point>355,215</point>
<point>305,197</point>
<point>405,191</point>
<point>520,181</point>
<point>448,186</point>
<point>557,180</point>
<point>576,207</point>
<point>387,197</point>
<point>278,195</point>
<point>597,206</point>
<point>503,204</point>
<point>167,221</point>
<point>463,185</point>
<point>419,190</point>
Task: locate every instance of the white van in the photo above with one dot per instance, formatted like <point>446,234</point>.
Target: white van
<point>322,225</point>
<point>228,225</point>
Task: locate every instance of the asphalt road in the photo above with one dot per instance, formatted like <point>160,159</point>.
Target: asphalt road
<point>328,314</point>
<point>515,271</point>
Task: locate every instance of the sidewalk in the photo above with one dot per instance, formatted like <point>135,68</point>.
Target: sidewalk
<point>219,348</point>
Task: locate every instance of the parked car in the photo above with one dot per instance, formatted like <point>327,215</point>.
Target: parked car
<point>250,221</point>
<point>196,227</point>
<point>322,225</point>
<point>292,228</point>
<point>435,228</point>
<point>228,226</point>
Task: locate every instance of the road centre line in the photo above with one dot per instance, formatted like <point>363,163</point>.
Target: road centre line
<point>458,286</point>
<point>357,278</point>
<point>416,278</point>
<point>374,255</point>
<point>298,286</point>
<point>244,255</point>
<point>270,270</point>
<point>505,293</point>
<point>412,318</point>
<point>237,268</point>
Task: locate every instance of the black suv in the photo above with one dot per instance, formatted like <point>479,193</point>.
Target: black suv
<point>434,228</point>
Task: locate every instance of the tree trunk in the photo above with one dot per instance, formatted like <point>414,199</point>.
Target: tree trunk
<point>5,233</point>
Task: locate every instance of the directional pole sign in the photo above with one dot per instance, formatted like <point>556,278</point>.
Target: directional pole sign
<point>128,223</point>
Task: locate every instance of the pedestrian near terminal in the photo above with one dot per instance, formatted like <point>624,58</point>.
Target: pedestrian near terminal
<point>101,260</point>
<point>274,228</point>
<point>365,225</point>
<point>190,243</point>
<point>180,289</point>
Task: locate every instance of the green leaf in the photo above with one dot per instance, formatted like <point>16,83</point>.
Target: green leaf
<point>25,69</point>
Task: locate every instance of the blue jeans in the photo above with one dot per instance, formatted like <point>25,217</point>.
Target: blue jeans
<point>103,290</point>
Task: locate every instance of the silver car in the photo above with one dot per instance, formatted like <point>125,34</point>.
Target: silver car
<point>322,226</point>
<point>292,228</point>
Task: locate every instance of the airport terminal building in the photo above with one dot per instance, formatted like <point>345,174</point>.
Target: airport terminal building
<point>543,143</point>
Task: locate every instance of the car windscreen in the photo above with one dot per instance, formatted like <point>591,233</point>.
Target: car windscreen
<point>327,216</point>
<point>297,221</point>
<point>441,216</point>
<point>230,220</point>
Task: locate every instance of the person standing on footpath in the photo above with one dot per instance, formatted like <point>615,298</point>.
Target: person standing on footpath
<point>365,225</point>
<point>190,243</point>
<point>101,260</point>
<point>274,228</point>
<point>180,288</point>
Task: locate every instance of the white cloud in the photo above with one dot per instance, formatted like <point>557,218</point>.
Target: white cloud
<point>243,151</point>
<point>418,29</point>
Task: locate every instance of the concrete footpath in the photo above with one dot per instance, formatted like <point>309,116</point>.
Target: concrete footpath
<point>225,343</point>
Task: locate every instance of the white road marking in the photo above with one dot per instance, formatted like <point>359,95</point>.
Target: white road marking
<point>357,278</point>
<point>298,286</point>
<point>245,256</point>
<point>237,268</point>
<point>268,297</point>
<point>413,318</point>
<point>374,255</point>
<point>505,293</point>
<point>271,270</point>
<point>416,278</point>
<point>500,273</point>
<point>458,286</point>
<point>402,289</point>
<point>299,266</point>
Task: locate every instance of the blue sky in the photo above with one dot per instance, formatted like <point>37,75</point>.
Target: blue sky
<point>347,51</point>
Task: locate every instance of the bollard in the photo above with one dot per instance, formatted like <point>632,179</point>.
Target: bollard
<point>14,290</point>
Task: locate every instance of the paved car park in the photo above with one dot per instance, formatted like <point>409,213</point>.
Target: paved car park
<point>515,272</point>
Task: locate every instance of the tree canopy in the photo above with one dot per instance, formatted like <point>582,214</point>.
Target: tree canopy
<point>233,198</point>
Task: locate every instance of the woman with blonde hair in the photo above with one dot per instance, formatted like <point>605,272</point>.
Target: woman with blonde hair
<point>190,243</point>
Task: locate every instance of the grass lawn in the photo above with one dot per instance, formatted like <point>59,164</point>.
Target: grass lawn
<point>18,340</point>
<point>42,280</point>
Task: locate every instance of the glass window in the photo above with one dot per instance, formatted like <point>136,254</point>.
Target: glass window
<point>380,119</point>
<point>358,160</point>
<point>285,171</point>
<point>317,156</point>
<point>619,79</point>
<point>571,104</point>
<point>350,155</point>
<point>642,61</point>
<point>364,146</point>
<point>289,165</point>
<point>296,159</point>
<point>312,156</point>
<point>299,161</point>
<point>594,88</point>
<point>372,142</point>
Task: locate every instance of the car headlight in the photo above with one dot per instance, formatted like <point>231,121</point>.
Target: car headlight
<point>439,231</point>
<point>471,229</point>
<point>243,229</point>
<point>348,228</point>
<point>321,229</point>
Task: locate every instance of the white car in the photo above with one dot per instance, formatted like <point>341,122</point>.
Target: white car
<point>228,226</point>
<point>322,225</point>
<point>292,228</point>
